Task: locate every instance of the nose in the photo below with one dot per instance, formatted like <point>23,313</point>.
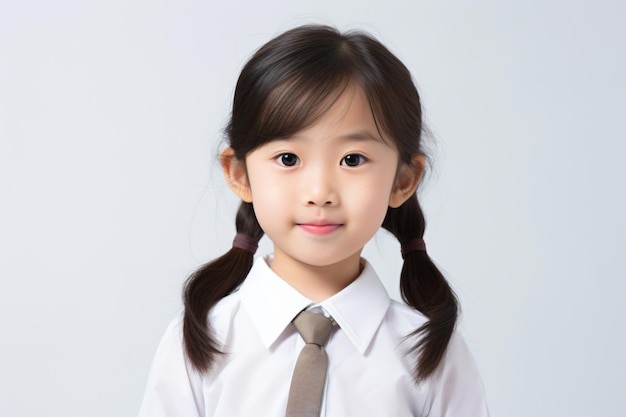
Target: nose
<point>320,188</point>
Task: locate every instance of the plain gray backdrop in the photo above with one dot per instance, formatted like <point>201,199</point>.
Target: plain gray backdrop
<point>110,196</point>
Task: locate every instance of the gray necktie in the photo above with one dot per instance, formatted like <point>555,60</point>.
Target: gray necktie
<point>309,375</point>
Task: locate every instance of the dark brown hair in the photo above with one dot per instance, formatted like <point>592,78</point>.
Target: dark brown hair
<point>286,85</point>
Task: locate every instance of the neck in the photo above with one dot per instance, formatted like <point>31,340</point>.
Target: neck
<point>317,282</point>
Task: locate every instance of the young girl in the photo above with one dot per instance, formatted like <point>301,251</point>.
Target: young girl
<point>324,149</point>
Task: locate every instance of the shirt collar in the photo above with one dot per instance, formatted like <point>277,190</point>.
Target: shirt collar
<point>272,303</point>
<point>360,307</point>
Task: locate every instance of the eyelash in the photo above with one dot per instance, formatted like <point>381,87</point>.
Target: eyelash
<point>281,159</point>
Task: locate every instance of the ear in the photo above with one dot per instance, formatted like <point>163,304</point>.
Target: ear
<point>407,180</point>
<point>235,173</point>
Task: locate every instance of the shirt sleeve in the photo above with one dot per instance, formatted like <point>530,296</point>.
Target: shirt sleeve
<point>456,388</point>
<point>173,388</point>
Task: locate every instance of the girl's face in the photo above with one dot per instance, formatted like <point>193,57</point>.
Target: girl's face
<point>322,194</point>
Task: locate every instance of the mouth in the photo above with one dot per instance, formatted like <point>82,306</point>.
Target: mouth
<point>319,229</point>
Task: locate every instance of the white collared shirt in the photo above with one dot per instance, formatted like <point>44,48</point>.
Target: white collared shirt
<point>368,372</point>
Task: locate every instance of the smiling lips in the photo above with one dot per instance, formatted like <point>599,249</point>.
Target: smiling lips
<point>319,229</point>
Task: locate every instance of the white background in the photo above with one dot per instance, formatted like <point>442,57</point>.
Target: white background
<point>110,120</point>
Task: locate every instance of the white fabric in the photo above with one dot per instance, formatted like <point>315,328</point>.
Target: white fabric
<point>368,373</point>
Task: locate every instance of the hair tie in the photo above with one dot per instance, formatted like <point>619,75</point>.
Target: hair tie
<point>413,245</point>
<point>245,242</point>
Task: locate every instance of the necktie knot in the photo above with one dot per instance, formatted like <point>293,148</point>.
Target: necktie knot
<point>313,327</point>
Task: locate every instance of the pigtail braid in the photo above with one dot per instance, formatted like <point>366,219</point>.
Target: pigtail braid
<point>208,285</point>
<point>424,288</point>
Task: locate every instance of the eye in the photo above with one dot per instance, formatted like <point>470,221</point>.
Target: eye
<point>287,159</point>
<point>353,160</point>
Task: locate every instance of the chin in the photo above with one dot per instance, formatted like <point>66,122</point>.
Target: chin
<point>321,260</point>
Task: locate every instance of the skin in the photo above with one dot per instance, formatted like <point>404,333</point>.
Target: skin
<point>322,194</point>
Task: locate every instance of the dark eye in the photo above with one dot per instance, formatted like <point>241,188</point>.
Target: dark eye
<point>353,160</point>
<point>288,159</point>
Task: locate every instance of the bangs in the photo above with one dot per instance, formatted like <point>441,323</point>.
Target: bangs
<point>294,79</point>
<point>297,103</point>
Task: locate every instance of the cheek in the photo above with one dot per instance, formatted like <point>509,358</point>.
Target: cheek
<point>272,191</point>
<point>267,213</point>
<point>369,200</point>
<point>269,199</point>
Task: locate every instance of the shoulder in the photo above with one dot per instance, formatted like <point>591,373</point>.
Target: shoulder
<point>456,387</point>
<point>173,388</point>
<point>403,318</point>
<point>225,308</point>
<point>223,314</point>
<point>171,348</point>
